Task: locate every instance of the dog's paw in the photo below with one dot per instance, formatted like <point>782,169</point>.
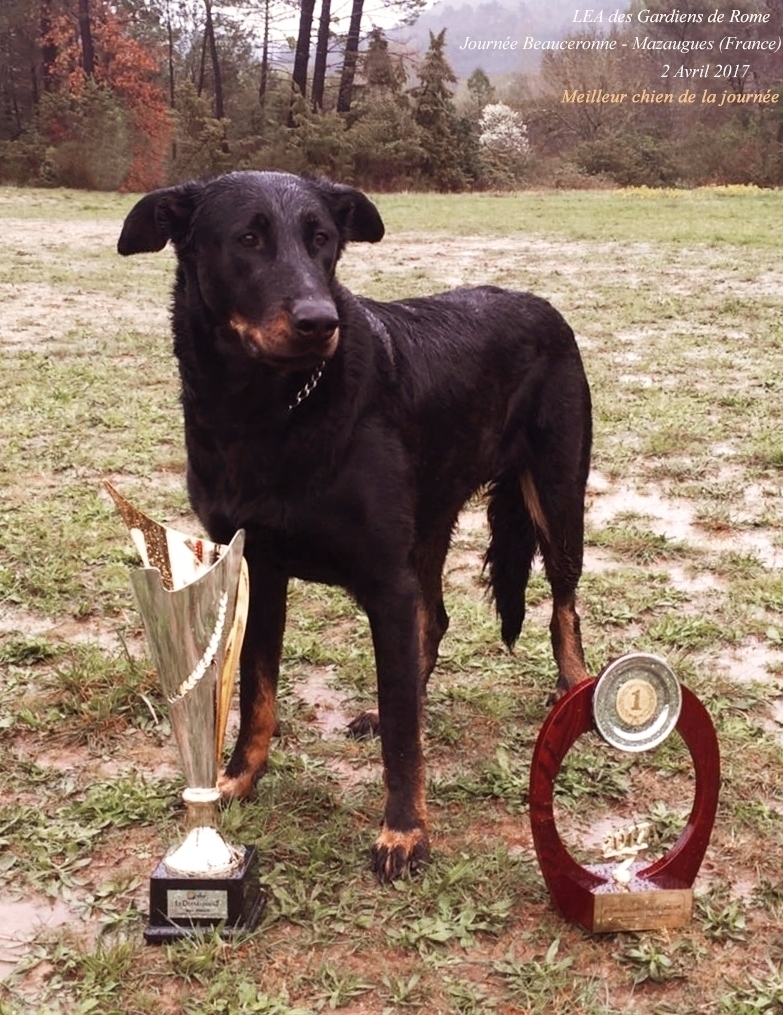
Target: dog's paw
<point>237,787</point>
<point>365,726</point>
<point>398,853</point>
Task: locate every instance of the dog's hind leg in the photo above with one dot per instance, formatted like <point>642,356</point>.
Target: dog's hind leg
<point>553,489</point>
<point>259,670</point>
<point>521,520</point>
<point>562,549</point>
<point>540,505</point>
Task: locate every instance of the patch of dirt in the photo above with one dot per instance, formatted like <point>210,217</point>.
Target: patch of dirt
<point>675,518</point>
<point>23,920</point>
<point>451,262</point>
<point>35,234</point>
<point>330,713</point>
<point>754,662</point>
<point>88,630</point>
<point>40,316</point>
<point>665,517</point>
<point>36,317</point>
<point>148,759</point>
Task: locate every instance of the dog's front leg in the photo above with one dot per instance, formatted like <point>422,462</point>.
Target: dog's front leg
<point>403,844</point>
<point>259,671</point>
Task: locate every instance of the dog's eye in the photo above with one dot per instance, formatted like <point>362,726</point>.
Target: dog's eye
<point>250,239</point>
<point>320,239</point>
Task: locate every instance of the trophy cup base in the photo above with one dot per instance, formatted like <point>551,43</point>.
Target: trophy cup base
<point>183,906</point>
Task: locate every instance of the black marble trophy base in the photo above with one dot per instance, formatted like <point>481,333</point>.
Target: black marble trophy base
<point>183,906</point>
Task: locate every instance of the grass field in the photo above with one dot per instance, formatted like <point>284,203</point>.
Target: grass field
<point>677,302</point>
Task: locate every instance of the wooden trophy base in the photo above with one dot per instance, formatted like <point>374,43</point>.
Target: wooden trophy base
<point>656,896</point>
<point>641,905</point>
<point>184,906</point>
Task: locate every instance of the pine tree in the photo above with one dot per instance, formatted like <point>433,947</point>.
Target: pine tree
<point>443,134</point>
<point>480,91</point>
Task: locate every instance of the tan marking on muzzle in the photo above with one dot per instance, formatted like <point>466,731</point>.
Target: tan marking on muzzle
<point>275,337</point>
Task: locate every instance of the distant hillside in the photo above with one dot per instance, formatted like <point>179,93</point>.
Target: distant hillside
<point>488,21</point>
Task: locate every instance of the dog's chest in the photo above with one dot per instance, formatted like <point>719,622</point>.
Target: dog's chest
<point>323,518</point>
<point>251,480</point>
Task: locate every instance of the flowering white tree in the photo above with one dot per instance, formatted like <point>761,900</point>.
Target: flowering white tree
<point>503,142</point>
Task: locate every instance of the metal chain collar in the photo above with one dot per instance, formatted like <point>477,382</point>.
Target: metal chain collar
<point>309,387</point>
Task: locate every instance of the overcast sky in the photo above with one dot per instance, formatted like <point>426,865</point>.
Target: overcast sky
<point>375,13</point>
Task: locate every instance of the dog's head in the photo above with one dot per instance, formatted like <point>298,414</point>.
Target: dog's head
<point>259,251</point>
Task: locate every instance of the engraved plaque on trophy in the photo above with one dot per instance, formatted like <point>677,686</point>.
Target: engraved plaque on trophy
<point>635,704</point>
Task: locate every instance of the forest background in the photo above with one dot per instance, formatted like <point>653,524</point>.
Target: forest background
<point>135,94</point>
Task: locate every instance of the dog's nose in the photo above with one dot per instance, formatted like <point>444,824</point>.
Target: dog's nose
<point>315,319</point>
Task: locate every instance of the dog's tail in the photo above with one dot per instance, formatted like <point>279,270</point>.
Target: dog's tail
<point>514,538</point>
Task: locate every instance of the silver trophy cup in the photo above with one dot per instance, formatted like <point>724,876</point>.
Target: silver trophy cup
<point>193,597</point>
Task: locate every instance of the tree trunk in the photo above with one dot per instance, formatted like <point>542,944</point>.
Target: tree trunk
<point>263,81</point>
<point>321,51</point>
<point>202,67</point>
<point>170,35</point>
<point>302,55</point>
<point>213,55</point>
<point>14,103</point>
<point>48,48</point>
<point>34,84</point>
<point>172,81</point>
<point>85,31</point>
<point>351,54</point>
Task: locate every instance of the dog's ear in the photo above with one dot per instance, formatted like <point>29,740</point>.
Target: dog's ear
<point>356,216</point>
<point>161,216</point>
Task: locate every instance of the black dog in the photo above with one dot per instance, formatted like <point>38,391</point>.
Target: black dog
<point>344,435</point>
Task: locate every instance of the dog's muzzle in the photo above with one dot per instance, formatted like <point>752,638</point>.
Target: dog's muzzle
<point>293,340</point>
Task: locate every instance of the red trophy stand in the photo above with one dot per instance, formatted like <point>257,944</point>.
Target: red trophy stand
<point>653,897</point>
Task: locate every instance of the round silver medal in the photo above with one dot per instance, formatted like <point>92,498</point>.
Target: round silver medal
<point>636,702</point>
